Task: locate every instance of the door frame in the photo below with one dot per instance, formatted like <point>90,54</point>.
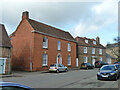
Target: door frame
<point>60,62</point>
<point>3,72</point>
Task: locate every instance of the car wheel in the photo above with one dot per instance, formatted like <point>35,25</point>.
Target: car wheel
<point>116,78</point>
<point>57,71</point>
<point>87,68</point>
<point>66,70</point>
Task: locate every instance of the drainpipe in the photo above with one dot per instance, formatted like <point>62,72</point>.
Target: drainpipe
<point>9,61</point>
<point>31,65</point>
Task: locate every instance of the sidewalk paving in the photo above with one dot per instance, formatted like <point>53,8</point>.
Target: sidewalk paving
<point>20,73</point>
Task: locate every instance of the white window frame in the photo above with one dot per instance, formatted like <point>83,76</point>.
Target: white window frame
<point>59,45</point>
<point>69,60</point>
<point>69,47</point>
<point>94,42</point>
<point>100,51</point>
<point>100,58</point>
<point>45,58</point>
<point>93,50</point>
<point>85,59</point>
<point>109,60</point>
<point>45,44</point>
<point>86,41</point>
<point>85,49</point>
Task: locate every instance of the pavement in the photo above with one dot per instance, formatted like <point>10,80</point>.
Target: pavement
<point>19,73</point>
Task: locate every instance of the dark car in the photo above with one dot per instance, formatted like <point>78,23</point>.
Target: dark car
<point>116,62</point>
<point>99,64</point>
<point>108,72</point>
<point>118,67</point>
<point>86,66</point>
<point>13,86</point>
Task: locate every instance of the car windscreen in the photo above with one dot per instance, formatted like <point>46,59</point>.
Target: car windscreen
<point>108,68</point>
<point>53,65</point>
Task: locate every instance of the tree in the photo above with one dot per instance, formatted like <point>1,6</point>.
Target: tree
<point>117,53</point>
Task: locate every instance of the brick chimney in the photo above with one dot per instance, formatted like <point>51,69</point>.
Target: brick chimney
<point>98,40</point>
<point>25,15</point>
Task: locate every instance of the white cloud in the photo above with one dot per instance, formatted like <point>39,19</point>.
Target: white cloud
<point>102,15</point>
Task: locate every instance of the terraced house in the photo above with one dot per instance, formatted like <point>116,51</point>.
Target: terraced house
<point>36,46</point>
<point>90,50</point>
<point>5,51</point>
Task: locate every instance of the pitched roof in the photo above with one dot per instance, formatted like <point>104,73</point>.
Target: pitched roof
<point>112,45</point>
<point>4,39</point>
<point>81,42</point>
<point>49,30</point>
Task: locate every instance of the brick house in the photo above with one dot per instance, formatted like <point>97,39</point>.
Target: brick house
<point>90,50</point>
<point>112,52</point>
<point>36,46</point>
<point>5,51</point>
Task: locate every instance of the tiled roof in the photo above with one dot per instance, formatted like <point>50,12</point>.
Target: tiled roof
<point>112,45</point>
<point>81,42</point>
<point>4,39</point>
<point>49,30</point>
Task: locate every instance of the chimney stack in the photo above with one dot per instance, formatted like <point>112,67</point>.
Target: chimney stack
<point>25,15</point>
<point>98,40</point>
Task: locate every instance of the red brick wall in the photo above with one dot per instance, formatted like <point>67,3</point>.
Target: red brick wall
<point>29,46</point>
<point>21,46</point>
<point>52,52</point>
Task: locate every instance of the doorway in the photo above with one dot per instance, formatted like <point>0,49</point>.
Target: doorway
<point>2,65</point>
<point>59,59</point>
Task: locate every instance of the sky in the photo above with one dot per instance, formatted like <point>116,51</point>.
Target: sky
<point>83,18</point>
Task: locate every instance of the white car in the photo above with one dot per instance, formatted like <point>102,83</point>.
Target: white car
<point>57,68</point>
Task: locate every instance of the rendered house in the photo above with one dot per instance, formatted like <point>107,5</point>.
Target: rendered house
<point>90,50</point>
<point>112,52</point>
<point>5,51</point>
<point>36,46</point>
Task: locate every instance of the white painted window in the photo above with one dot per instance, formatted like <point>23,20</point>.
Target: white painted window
<point>100,51</point>
<point>69,47</point>
<point>109,60</point>
<point>94,42</point>
<point>93,50</point>
<point>44,59</point>
<point>85,59</point>
<point>58,45</point>
<point>85,49</point>
<point>86,41</point>
<point>100,58</point>
<point>69,60</point>
<point>45,42</point>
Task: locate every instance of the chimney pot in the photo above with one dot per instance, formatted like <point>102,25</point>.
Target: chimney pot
<point>98,40</point>
<point>25,15</point>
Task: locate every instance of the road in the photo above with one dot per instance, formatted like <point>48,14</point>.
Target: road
<point>70,79</point>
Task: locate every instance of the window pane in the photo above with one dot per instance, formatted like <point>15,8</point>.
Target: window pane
<point>69,60</point>
<point>45,42</point>
<point>58,45</point>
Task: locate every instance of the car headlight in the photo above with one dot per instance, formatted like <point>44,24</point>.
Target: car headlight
<point>98,73</point>
<point>112,73</point>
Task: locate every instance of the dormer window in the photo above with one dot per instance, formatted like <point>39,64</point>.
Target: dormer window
<point>86,41</point>
<point>94,42</point>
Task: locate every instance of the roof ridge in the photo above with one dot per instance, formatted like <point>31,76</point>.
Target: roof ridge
<point>48,25</point>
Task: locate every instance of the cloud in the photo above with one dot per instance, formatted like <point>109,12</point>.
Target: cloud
<point>101,15</point>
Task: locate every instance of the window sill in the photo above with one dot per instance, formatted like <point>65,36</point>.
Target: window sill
<point>45,48</point>
<point>44,65</point>
<point>59,50</point>
<point>69,51</point>
<point>69,65</point>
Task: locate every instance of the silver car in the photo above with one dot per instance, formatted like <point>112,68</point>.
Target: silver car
<point>57,68</point>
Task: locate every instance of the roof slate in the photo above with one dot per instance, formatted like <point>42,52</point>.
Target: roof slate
<point>4,39</point>
<point>81,42</point>
<point>40,27</point>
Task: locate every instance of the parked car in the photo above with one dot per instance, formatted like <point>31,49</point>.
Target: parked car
<point>86,66</point>
<point>118,67</point>
<point>13,86</point>
<point>99,64</point>
<point>116,62</point>
<point>108,72</point>
<point>57,68</point>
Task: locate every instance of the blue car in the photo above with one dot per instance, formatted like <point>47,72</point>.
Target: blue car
<point>13,86</point>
